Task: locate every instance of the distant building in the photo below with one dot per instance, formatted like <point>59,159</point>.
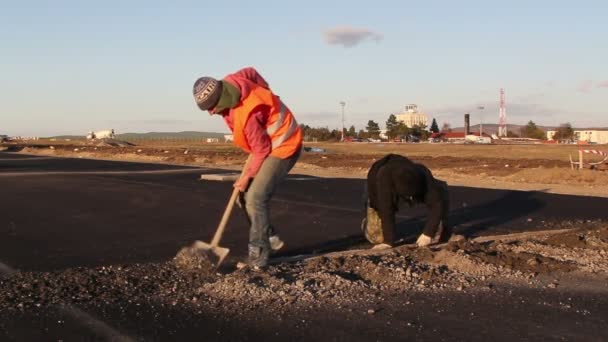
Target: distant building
<point>459,136</point>
<point>107,134</point>
<point>228,137</point>
<point>593,136</point>
<point>382,134</point>
<point>213,140</point>
<point>412,116</point>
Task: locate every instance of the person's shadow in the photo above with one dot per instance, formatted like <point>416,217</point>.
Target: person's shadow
<point>465,220</point>
<point>473,220</point>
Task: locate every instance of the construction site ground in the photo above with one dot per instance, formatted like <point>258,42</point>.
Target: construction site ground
<point>539,167</point>
<point>87,248</point>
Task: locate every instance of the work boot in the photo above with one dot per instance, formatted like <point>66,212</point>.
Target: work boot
<point>276,243</point>
<point>371,225</point>
<point>258,257</point>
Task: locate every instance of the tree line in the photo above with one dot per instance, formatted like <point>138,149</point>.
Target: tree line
<point>398,130</point>
<point>394,130</point>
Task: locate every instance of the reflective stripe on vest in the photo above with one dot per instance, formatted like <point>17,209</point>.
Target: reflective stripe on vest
<point>270,130</point>
<point>281,138</point>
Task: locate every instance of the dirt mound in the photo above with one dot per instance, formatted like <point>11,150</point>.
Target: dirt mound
<point>594,239</point>
<point>337,280</point>
<point>189,259</point>
<point>103,285</point>
<point>113,143</point>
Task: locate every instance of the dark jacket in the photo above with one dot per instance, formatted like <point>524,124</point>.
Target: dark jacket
<point>394,178</point>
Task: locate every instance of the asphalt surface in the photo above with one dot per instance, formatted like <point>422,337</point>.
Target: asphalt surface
<point>57,213</point>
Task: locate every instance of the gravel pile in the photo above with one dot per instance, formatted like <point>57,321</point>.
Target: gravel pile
<point>341,281</point>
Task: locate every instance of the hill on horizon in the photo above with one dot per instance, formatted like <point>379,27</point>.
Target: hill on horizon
<point>155,135</point>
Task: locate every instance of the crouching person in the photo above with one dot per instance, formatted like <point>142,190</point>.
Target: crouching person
<point>393,179</point>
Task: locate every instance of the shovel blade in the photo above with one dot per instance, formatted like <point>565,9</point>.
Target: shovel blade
<point>216,254</point>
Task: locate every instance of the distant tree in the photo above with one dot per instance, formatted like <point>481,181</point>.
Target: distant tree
<point>335,135</point>
<point>362,134</point>
<point>532,131</point>
<point>395,128</point>
<point>420,132</point>
<point>564,132</point>
<point>402,130</point>
<point>511,134</point>
<point>351,131</point>
<point>434,126</point>
<point>316,133</point>
<point>446,128</point>
<point>373,129</point>
<point>391,124</point>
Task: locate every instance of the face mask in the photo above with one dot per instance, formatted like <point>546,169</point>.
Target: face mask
<point>230,97</point>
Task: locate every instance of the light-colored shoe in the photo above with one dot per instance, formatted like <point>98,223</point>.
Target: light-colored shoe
<point>242,265</point>
<point>276,243</point>
<point>382,246</point>
<point>423,240</point>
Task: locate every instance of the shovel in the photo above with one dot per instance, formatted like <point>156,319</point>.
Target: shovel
<point>215,253</point>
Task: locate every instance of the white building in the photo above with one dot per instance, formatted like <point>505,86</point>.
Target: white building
<point>587,135</point>
<point>107,134</point>
<point>412,116</point>
<point>228,137</point>
<point>382,134</point>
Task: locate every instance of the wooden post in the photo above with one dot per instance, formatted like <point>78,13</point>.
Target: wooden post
<point>571,162</point>
<point>580,159</point>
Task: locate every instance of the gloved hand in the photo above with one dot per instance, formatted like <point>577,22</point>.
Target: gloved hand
<point>242,183</point>
<point>240,200</point>
<point>423,240</point>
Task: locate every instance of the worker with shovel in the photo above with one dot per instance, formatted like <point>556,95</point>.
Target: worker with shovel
<point>264,127</point>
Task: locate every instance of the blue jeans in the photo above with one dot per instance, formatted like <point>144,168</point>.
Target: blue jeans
<point>257,202</point>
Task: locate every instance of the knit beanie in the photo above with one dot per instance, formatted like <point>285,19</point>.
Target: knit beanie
<point>207,92</point>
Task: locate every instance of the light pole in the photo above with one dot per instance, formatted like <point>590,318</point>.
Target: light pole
<point>342,103</point>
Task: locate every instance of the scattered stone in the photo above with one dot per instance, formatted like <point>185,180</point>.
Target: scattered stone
<point>190,259</point>
<point>457,238</point>
<point>533,261</point>
<point>341,281</point>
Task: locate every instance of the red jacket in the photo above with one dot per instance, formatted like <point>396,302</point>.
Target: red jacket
<point>255,129</point>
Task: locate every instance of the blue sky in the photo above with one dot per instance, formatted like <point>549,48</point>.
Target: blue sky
<point>72,66</point>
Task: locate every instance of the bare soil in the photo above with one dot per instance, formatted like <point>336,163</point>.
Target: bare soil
<point>526,167</point>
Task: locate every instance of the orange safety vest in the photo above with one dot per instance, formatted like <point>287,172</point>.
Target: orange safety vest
<point>283,129</point>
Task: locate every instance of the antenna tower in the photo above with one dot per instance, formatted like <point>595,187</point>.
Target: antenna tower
<point>502,123</point>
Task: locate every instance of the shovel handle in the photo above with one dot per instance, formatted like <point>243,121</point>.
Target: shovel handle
<point>235,193</point>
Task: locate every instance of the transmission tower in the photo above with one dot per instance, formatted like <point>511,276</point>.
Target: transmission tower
<point>502,123</point>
